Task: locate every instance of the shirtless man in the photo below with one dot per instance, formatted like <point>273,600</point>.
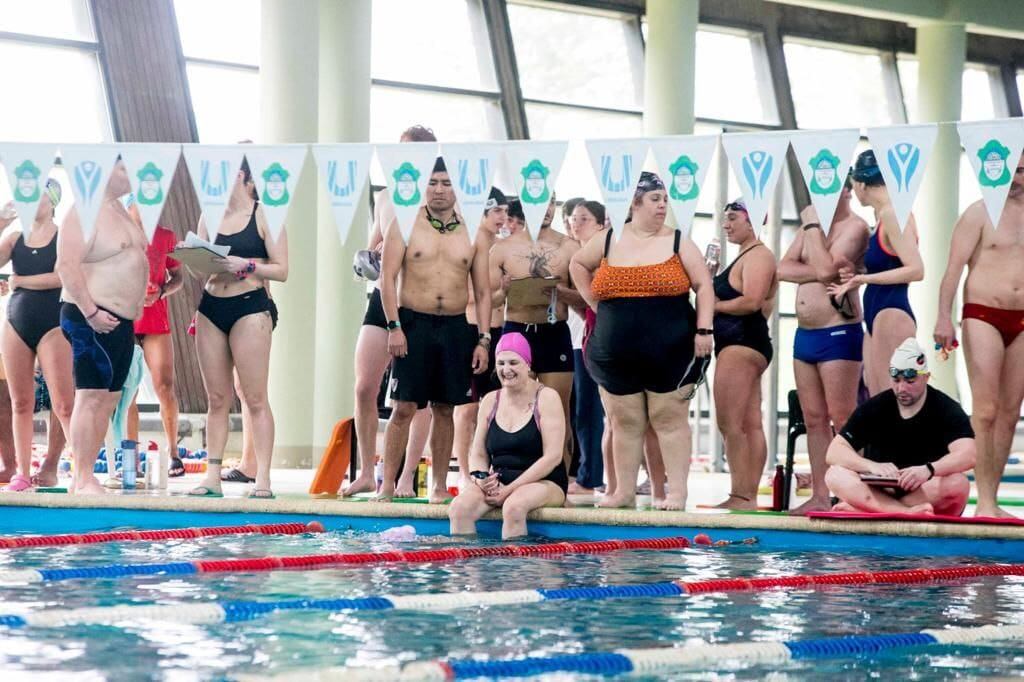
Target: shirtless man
<point>828,349</point>
<point>993,318</point>
<point>435,350</point>
<point>492,223</point>
<point>372,360</point>
<point>544,326</point>
<point>104,282</point>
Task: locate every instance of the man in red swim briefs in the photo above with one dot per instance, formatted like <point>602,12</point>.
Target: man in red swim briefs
<point>993,319</point>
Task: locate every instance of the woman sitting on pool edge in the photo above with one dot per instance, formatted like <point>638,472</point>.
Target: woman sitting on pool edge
<point>516,458</point>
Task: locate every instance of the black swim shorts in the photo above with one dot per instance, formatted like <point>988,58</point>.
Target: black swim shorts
<point>101,361</point>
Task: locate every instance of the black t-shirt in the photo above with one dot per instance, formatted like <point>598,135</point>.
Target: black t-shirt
<point>885,436</point>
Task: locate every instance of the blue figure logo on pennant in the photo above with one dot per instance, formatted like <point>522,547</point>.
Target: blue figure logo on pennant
<point>87,179</point>
<point>214,186</point>
<point>903,160</point>
<point>757,169</point>
<point>341,190</point>
<point>470,188</point>
<point>622,184</point>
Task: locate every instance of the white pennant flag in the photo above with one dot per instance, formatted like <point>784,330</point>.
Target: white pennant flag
<point>617,165</point>
<point>902,153</point>
<point>824,157</point>
<point>214,169</point>
<point>407,168</point>
<point>757,160</point>
<point>344,170</point>
<point>471,166</point>
<point>28,166</point>
<point>88,167</point>
<point>993,148</point>
<point>683,162</point>
<point>150,169</point>
<point>534,167</point>
<point>276,169</point>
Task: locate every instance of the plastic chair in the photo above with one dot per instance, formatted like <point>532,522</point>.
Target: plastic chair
<point>796,429</point>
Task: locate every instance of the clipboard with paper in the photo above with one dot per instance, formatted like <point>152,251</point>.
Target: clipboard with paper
<point>531,291</point>
<point>199,255</point>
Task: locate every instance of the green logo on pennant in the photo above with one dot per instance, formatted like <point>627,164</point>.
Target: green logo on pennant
<point>825,173</point>
<point>535,183</point>
<point>275,192</point>
<point>684,179</point>
<point>993,164</point>
<point>151,193</point>
<point>26,186</point>
<point>406,192</point>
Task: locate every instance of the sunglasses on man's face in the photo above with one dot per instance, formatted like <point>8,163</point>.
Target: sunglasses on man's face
<point>908,375</point>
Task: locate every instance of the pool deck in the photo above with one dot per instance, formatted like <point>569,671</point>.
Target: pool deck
<point>296,503</point>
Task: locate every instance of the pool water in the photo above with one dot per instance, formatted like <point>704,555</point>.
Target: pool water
<point>287,641</point>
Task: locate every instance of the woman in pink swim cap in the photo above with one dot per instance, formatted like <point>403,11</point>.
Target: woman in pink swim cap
<point>516,459</point>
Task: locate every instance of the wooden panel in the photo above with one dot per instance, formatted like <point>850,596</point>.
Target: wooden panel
<point>149,99</point>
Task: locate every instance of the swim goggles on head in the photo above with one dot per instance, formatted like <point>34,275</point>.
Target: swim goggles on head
<point>909,375</point>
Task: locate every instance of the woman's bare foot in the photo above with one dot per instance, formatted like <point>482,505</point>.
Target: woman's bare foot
<point>735,501</point>
<point>439,497</point>
<point>405,488</point>
<point>813,504</point>
<point>671,503</point>
<point>45,478</point>
<point>364,483</point>
<point>576,489</point>
<point>992,512</point>
<point>89,486</point>
<point>617,501</point>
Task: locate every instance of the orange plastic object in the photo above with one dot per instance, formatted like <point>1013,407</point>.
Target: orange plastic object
<point>334,463</point>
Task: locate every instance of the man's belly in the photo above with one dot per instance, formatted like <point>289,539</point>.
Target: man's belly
<point>814,310</point>
<point>119,283</point>
<point>535,314</point>
<point>996,284</point>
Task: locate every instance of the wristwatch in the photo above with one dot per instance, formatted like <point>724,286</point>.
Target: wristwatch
<point>931,470</point>
<point>705,332</point>
<point>393,325</point>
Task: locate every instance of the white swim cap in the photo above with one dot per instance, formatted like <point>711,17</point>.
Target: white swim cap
<point>909,355</point>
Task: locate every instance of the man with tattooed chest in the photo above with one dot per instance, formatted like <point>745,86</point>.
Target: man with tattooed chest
<point>544,326</point>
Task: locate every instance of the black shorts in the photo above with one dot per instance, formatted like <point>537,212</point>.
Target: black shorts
<point>225,311</point>
<point>101,361</point>
<point>550,345</point>
<point>486,382</point>
<point>438,367</point>
<point>374,316</point>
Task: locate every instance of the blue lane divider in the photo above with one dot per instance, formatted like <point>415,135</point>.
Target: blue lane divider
<point>833,647</point>
<point>614,591</point>
<point>594,664</point>
<point>118,571</point>
<point>236,611</point>
<point>12,621</point>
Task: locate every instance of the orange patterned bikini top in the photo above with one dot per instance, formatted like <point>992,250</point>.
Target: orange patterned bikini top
<point>667,278</point>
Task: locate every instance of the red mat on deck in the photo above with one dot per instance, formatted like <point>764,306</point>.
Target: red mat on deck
<point>934,518</point>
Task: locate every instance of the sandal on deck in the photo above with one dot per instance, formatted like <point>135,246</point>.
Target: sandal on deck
<point>19,484</point>
<point>236,475</point>
<point>177,468</point>
<point>204,491</point>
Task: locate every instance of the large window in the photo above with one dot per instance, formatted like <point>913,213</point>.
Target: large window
<point>982,98</point>
<point>432,65</point>
<point>222,66</point>
<point>841,88</point>
<point>733,82</point>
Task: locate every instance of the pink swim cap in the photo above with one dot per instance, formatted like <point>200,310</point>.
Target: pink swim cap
<point>516,343</point>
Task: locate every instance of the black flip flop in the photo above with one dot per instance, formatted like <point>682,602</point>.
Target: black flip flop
<point>177,468</point>
<point>236,476</point>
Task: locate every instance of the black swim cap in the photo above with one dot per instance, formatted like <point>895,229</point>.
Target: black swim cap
<point>495,199</point>
<point>865,169</point>
<point>649,182</point>
<point>515,210</point>
<point>439,166</point>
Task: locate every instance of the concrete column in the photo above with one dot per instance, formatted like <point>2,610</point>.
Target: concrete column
<point>340,302</point>
<point>941,50</point>
<point>288,105</point>
<point>669,66</point>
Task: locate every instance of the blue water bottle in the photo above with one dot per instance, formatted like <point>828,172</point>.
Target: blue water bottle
<point>129,460</point>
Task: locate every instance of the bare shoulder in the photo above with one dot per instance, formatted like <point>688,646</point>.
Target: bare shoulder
<point>976,214</point>
<point>548,399</point>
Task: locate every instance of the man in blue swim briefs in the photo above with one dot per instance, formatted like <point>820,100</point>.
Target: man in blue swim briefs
<point>828,348</point>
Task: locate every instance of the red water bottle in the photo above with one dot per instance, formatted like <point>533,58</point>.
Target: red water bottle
<point>778,487</point>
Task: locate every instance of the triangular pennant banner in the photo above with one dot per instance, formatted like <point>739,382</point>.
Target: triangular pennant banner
<point>993,148</point>
<point>902,153</point>
<point>344,169</point>
<point>534,167</point>
<point>407,168</point>
<point>150,169</point>
<point>824,157</point>
<point>27,165</point>
<point>617,165</point>
<point>89,167</point>
<point>756,160</point>
<point>471,167</point>
<point>683,162</point>
<point>214,169</point>
<point>276,169</point>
